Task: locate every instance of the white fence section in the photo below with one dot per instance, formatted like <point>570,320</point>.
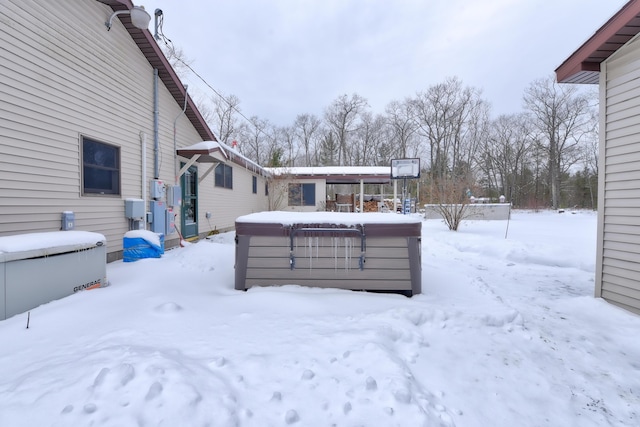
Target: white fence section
<point>475,211</point>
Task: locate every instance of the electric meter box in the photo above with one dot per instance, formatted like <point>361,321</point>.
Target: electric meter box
<point>157,189</point>
<point>134,208</point>
<point>174,195</point>
<point>170,222</point>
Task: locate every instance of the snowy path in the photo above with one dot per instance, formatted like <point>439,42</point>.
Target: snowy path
<point>506,333</point>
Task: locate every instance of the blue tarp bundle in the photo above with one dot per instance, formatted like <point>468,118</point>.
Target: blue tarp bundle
<point>139,246</point>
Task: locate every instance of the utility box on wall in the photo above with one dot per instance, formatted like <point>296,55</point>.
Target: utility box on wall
<point>156,189</point>
<point>158,211</point>
<point>68,221</point>
<point>134,208</point>
<point>170,222</point>
<point>174,195</point>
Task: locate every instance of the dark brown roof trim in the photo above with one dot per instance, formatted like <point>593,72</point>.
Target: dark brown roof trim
<point>148,46</point>
<point>583,66</point>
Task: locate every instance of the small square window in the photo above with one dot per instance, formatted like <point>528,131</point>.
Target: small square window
<point>302,194</point>
<point>100,168</point>
<point>223,176</point>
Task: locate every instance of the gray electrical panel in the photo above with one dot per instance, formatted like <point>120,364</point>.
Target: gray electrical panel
<point>158,211</point>
<point>170,222</point>
<point>174,195</point>
<point>134,208</point>
<point>157,189</point>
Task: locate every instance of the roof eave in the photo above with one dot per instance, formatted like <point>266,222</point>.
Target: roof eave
<point>151,50</point>
<point>583,66</point>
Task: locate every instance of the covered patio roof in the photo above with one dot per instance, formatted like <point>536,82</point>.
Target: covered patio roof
<point>339,174</point>
<point>583,66</point>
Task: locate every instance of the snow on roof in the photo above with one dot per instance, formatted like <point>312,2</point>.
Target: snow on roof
<point>205,145</point>
<point>346,218</point>
<point>333,170</point>
<point>235,152</point>
<point>228,152</point>
<point>32,245</point>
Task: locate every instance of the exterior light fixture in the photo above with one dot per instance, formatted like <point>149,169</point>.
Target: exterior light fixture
<point>139,17</point>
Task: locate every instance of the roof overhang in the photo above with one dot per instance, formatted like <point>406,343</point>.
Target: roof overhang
<point>217,152</point>
<point>339,175</point>
<point>204,153</point>
<point>583,66</point>
<point>147,44</point>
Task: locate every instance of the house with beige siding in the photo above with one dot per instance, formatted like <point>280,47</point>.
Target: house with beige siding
<point>91,123</point>
<point>611,59</point>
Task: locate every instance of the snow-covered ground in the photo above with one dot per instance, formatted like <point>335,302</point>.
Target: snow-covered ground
<point>506,333</point>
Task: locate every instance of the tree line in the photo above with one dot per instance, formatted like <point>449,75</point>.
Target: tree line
<point>543,156</point>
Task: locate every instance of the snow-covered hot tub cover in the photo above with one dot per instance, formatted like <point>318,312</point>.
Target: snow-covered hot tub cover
<point>345,218</point>
<point>360,251</point>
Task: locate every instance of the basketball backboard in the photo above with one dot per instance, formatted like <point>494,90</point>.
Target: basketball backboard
<point>405,168</point>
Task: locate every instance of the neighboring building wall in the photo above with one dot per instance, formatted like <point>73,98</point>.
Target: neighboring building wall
<point>280,197</point>
<point>618,258</point>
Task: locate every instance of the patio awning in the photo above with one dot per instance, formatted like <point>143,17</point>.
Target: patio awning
<point>340,174</point>
<point>204,152</point>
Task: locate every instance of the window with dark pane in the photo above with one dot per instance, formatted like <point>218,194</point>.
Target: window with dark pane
<point>100,168</point>
<point>302,194</point>
<point>223,176</point>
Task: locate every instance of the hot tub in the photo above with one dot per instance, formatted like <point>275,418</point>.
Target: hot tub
<point>358,251</point>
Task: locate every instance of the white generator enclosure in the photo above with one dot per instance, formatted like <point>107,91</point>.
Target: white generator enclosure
<point>41,267</point>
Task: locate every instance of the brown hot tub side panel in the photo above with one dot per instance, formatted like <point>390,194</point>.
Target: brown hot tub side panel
<point>385,258</point>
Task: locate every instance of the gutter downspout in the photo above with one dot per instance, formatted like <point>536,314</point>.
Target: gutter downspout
<point>175,145</point>
<point>143,175</point>
<point>156,137</point>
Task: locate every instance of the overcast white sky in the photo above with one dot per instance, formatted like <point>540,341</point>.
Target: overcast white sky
<point>282,58</point>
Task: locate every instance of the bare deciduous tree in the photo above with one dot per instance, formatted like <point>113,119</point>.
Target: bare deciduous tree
<point>446,115</point>
<point>306,127</point>
<point>505,152</point>
<point>253,140</point>
<point>224,117</point>
<point>559,113</point>
<point>342,119</point>
<point>400,117</point>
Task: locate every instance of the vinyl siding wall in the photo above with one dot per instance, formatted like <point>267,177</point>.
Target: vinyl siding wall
<point>618,262</point>
<point>227,204</point>
<point>281,195</point>
<point>64,76</point>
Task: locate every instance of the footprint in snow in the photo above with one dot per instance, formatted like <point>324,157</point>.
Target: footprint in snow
<point>371,384</point>
<point>291,417</point>
<point>155,390</point>
<point>168,307</point>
